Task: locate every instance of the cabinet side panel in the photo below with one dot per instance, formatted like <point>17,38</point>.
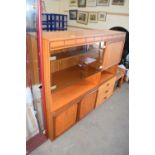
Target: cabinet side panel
<point>47,88</point>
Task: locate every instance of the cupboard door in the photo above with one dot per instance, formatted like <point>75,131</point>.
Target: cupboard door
<point>105,91</point>
<point>113,53</point>
<point>65,119</point>
<point>87,104</point>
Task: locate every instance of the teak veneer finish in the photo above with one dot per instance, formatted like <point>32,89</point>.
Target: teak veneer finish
<point>87,104</point>
<point>75,97</point>
<point>65,119</point>
<point>110,57</point>
<point>105,91</point>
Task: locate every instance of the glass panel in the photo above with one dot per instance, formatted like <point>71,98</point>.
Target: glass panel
<point>34,113</point>
<point>70,65</point>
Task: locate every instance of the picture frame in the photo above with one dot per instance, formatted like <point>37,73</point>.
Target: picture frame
<point>81,3</point>
<point>102,16</point>
<point>118,2</point>
<point>73,3</point>
<point>93,17</point>
<point>43,6</point>
<point>91,3</point>
<point>73,14</point>
<point>102,2</point>
<point>82,17</point>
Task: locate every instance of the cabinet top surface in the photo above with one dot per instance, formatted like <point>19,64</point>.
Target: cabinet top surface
<point>74,34</point>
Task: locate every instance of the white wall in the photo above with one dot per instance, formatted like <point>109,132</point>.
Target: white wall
<point>61,6</point>
<point>52,6</point>
<point>112,20</point>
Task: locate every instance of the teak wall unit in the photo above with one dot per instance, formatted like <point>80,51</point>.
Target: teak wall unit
<point>79,72</point>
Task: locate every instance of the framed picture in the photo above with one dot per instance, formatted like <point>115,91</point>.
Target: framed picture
<point>82,17</point>
<point>73,3</point>
<point>73,14</point>
<point>102,2</point>
<point>91,3</point>
<point>81,3</point>
<point>93,17</point>
<point>117,2</point>
<point>102,16</point>
<point>43,6</point>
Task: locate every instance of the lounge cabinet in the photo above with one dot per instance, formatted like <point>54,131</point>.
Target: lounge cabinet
<point>79,73</point>
<point>87,104</point>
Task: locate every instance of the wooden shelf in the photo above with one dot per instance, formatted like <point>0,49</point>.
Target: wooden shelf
<point>105,76</point>
<point>69,94</point>
<point>69,76</point>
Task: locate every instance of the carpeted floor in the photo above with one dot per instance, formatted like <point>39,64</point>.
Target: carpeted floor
<point>105,131</point>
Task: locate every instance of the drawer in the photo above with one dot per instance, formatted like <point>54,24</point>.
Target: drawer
<point>55,44</point>
<point>89,40</point>
<point>104,98</point>
<point>105,91</point>
<point>103,95</point>
<point>70,42</point>
<point>108,91</point>
<point>80,41</point>
<point>109,83</point>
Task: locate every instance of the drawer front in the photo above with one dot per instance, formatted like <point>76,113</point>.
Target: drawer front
<point>87,104</point>
<point>103,95</point>
<point>104,98</point>
<point>80,41</point>
<point>70,42</point>
<point>109,83</point>
<point>56,44</point>
<point>105,91</point>
<point>65,119</point>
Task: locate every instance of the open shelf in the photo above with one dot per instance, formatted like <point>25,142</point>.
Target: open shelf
<point>105,76</point>
<point>69,94</point>
<point>69,76</point>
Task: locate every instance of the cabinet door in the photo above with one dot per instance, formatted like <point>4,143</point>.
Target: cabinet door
<point>87,104</point>
<point>105,91</point>
<point>113,53</point>
<point>65,119</point>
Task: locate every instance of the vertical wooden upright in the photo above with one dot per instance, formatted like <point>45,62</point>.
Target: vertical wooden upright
<point>46,66</point>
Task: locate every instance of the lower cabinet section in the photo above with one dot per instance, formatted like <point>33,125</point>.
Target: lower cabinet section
<point>68,116</point>
<point>105,91</point>
<point>87,104</point>
<point>65,119</point>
